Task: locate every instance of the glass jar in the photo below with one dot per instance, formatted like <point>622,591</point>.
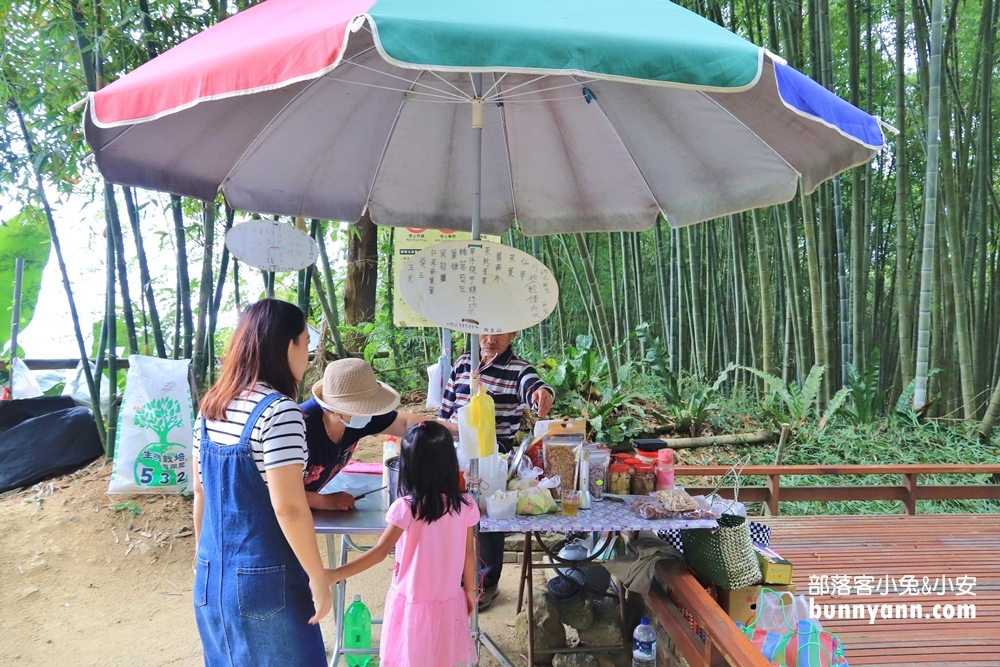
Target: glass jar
<point>643,480</point>
<point>619,479</point>
<point>665,470</point>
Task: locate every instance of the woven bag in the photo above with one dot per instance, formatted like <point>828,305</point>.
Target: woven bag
<point>724,556</point>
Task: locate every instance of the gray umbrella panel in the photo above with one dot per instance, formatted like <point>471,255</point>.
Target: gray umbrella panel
<point>398,141</point>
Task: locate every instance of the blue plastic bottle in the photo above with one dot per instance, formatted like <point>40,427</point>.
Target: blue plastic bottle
<point>644,645</point>
<point>357,632</point>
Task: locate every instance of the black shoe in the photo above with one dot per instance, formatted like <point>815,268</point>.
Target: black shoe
<point>489,595</point>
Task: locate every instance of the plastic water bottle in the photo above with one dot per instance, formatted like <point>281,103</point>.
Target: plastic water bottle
<point>644,645</point>
<point>357,632</point>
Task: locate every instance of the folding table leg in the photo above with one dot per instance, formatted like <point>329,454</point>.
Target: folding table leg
<point>531,605</point>
<point>525,572</point>
<point>340,593</point>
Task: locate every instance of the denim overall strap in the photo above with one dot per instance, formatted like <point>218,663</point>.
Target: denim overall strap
<point>252,597</point>
<point>262,405</point>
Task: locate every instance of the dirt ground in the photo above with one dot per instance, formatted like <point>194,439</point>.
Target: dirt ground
<point>83,583</point>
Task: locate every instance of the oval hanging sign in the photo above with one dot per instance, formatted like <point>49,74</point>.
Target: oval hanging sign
<point>270,245</point>
<point>478,287</point>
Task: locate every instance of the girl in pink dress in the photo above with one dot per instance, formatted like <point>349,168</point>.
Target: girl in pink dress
<point>427,608</point>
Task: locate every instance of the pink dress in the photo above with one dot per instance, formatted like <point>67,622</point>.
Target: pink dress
<point>426,622</point>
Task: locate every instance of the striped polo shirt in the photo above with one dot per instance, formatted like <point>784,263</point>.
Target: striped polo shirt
<point>509,379</point>
<point>278,438</point>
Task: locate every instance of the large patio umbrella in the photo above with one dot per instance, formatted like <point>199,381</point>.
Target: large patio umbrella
<point>595,116</point>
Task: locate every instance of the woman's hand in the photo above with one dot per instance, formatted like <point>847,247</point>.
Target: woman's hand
<point>322,598</point>
<point>338,502</point>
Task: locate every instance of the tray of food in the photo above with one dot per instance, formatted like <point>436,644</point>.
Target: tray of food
<point>672,504</point>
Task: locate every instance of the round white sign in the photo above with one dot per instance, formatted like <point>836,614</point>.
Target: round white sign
<point>270,245</point>
<point>478,287</point>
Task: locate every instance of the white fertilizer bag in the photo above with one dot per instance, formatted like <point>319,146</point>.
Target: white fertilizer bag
<point>153,446</point>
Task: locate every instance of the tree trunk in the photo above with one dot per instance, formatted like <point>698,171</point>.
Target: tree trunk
<point>362,279</point>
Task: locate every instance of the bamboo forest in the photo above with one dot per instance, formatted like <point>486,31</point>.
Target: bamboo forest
<point>866,304</point>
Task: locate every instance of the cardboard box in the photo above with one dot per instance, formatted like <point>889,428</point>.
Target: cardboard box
<point>741,604</point>
<point>774,568</point>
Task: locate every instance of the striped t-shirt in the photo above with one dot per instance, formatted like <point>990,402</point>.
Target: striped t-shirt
<point>278,438</point>
<point>509,379</point>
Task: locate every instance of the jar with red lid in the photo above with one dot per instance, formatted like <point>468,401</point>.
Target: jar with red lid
<point>643,480</point>
<point>619,479</point>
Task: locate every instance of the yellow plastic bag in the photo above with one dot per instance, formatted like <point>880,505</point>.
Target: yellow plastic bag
<point>477,426</point>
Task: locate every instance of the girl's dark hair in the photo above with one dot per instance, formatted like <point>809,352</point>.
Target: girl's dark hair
<point>428,472</point>
<point>257,353</point>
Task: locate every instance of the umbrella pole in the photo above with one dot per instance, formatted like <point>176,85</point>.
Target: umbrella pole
<point>480,638</point>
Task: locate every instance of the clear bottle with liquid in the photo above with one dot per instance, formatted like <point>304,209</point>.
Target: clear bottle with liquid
<point>357,632</point>
<point>644,645</point>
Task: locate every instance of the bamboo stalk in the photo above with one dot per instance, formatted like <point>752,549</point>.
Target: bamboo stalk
<point>50,219</point>
<point>115,223</point>
<point>595,293</point>
<point>205,285</point>
<point>147,283</point>
<point>183,282</point>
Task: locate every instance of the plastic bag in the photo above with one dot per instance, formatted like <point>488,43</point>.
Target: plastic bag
<point>562,459</point>
<point>493,477</point>
<point>502,505</point>
<point>437,379</point>
<point>23,383</point>
<point>155,428</point>
<point>781,613</point>
<point>477,426</point>
<point>719,505</point>
<point>533,494</point>
<point>76,388</point>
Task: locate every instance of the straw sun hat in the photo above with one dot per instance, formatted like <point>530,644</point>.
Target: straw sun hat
<point>349,387</point>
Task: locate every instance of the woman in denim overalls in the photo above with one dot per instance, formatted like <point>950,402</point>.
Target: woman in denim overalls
<point>260,588</point>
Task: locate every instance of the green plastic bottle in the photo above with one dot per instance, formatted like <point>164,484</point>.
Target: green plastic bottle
<point>357,632</point>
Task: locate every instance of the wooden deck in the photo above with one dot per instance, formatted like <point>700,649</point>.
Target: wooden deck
<point>886,547</point>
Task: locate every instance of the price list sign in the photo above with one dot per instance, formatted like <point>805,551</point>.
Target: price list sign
<point>478,287</point>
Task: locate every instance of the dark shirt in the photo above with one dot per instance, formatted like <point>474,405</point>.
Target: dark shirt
<point>326,457</point>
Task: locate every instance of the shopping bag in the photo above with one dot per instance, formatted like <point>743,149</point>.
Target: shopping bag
<point>437,380</point>
<point>154,438</point>
<point>807,647</point>
<point>724,556</point>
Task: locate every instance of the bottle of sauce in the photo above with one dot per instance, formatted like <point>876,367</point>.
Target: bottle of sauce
<point>665,469</point>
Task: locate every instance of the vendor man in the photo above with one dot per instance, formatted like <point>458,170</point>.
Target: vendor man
<point>347,405</point>
<point>514,384</point>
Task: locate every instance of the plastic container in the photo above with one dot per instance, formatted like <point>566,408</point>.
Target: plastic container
<point>388,452</point>
<point>646,457</point>
<point>644,645</point>
<point>632,462</point>
<point>584,480</point>
<point>619,479</point>
<point>643,479</point>
<point>357,632</point>
<point>392,478</point>
<point>665,470</point>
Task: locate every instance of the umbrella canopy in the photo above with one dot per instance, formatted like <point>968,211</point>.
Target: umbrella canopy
<point>596,116</point>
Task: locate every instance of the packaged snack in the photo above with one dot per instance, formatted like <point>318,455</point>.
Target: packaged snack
<point>562,454</point>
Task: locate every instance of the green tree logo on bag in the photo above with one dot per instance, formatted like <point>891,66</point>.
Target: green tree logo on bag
<point>161,463</point>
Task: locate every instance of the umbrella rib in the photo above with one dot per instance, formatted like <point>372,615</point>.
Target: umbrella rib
<point>505,97</point>
<point>496,83</point>
<point>444,93</point>
<point>445,98</point>
<point>465,96</point>
<point>385,146</point>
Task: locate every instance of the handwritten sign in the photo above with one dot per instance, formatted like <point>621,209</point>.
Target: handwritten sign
<point>270,245</point>
<point>406,242</point>
<point>478,287</point>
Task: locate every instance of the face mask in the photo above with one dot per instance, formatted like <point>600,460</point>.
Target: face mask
<point>357,421</point>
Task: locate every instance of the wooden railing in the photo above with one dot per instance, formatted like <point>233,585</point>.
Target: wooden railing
<point>724,644</point>
<point>907,492</point>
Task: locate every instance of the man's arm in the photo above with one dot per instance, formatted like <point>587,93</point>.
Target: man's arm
<point>538,395</point>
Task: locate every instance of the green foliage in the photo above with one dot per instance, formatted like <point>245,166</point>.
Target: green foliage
<point>26,235</point>
<point>583,389</point>
<point>129,506</point>
<point>866,399</point>
<point>792,404</point>
<point>160,415</point>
